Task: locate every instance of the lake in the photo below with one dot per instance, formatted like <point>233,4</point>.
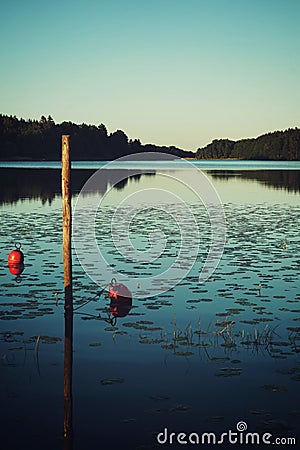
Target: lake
<point>210,342</point>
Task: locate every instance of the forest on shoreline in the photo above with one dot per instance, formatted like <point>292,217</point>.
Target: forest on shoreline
<point>278,146</point>
<point>35,140</point>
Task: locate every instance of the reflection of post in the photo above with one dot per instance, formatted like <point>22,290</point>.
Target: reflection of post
<point>67,260</point>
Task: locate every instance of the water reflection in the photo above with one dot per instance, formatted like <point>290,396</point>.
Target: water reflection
<point>279,179</point>
<point>16,269</point>
<point>151,367</point>
<point>120,302</point>
<point>44,184</point>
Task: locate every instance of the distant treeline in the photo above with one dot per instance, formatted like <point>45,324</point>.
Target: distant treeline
<point>22,139</point>
<point>279,145</point>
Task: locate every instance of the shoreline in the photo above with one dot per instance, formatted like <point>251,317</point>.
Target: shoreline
<point>30,160</point>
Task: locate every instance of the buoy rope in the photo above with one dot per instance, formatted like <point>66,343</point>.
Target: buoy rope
<point>89,300</point>
<point>98,294</point>
<point>111,320</point>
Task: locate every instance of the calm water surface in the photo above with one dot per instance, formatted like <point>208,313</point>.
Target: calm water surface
<point>196,358</point>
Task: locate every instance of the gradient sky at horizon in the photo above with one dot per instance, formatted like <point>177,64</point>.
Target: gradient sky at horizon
<point>169,72</point>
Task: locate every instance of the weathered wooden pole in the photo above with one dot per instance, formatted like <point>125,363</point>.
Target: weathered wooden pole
<point>67,260</point>
<point>67,222</point>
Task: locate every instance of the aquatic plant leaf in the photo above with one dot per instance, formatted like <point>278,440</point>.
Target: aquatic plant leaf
<point>228,372</point>
<point>183,353</point>
<point>110,381</point>
<point>181,408</point>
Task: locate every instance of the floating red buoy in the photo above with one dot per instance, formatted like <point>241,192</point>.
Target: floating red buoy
<point>119,291</point>
<point>16,262</point>
<point>16,256</point>
<point>121,300</point>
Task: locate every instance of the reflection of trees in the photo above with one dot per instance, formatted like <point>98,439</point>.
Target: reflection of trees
<point>45,184</point>
<point>278,179</point>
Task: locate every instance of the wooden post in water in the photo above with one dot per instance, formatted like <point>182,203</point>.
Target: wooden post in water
<point>67,260</point>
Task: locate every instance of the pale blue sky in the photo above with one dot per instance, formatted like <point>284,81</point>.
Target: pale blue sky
<point>170,72</point>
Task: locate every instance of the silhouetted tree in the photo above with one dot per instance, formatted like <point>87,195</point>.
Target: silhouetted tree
<point>41,139</point>
<point>279,145</point>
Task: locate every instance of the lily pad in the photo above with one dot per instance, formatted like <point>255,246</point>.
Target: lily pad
<point>183,353</point>
<point>111,381</point>
<point>228,372</point>
<point>181,408</point>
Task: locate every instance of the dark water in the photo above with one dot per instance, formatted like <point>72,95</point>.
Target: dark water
<point>195,358</point>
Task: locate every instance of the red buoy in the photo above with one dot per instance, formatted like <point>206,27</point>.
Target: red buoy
<point>120,299</point>
<point>119,291</point>
<point>16,256</point>
<point>120,308</point>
